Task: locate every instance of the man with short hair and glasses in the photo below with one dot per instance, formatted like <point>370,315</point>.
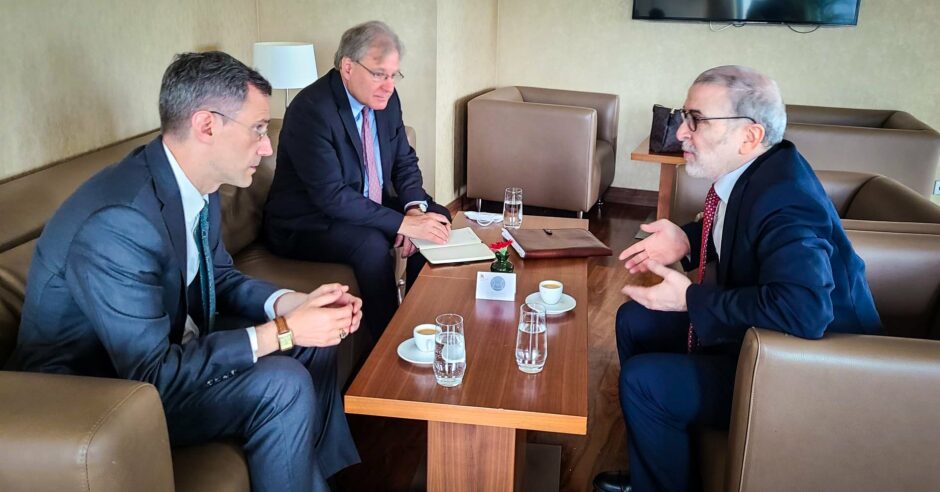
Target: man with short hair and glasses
<point>347,187</point>
<point>131,279</point>
<point>770,252</point>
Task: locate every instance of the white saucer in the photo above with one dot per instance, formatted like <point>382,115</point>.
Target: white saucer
<point>565,304</point>
<point>408,351</point>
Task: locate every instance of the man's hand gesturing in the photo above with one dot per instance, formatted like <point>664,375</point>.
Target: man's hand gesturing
<point>666,244</point>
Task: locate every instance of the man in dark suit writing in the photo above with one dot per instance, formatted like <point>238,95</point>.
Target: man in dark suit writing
<point>770,252</point>
<point>129,274</point>
<point>347,186</point>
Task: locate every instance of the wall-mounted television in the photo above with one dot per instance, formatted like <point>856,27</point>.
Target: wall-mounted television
<point>821,12</point>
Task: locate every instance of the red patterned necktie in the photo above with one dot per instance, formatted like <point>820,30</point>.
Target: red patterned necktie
<point>368,158</point>
<point>708,218</point>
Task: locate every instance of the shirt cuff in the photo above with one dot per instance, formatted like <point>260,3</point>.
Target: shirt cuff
<point>253,338</point>
<point>421,203</point>
<point>269,304</point>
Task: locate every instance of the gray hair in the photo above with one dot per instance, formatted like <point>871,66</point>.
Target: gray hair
<point>197,81</point>
<point>357,40</point>
<point>752,94</point>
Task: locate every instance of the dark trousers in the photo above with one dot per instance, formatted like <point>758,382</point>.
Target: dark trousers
<point>286,412</point>
<point>367,251</point>
<point>665,394</point>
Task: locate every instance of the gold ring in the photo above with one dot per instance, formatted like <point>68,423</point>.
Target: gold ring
<point>343,334</point>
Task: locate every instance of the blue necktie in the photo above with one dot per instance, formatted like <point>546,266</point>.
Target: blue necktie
<point>206,276</point>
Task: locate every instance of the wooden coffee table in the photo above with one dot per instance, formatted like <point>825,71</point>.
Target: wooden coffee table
<point>476,431</point>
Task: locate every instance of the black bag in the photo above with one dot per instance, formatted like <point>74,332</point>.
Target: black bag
<point>666,123</point>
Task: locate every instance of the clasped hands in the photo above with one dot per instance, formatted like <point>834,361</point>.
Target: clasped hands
<point>430,226</point>
<point>323,317</point>
<point>666,244</point>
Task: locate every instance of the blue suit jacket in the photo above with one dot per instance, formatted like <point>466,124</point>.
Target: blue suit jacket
<point>318,179</point>
<point>786,263</point>
<point>106,292</point>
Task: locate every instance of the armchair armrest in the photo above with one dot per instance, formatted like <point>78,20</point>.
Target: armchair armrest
<point>501,135</point>
<point>77,433</point>
<point>847,412</point>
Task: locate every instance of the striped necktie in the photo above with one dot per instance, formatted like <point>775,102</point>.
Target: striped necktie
<point>368,158</point>
<point>206,275</point>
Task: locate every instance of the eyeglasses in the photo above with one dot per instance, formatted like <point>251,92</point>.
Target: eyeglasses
<point>260,130</point>
<point>381,77</point>
<point>692,120</point>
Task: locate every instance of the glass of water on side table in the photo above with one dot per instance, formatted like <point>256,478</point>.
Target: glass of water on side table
<point>531,339</point>
<point>512,208</point>
<point>450,353</point>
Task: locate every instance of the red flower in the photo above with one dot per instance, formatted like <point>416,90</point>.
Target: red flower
<point>501,246</point>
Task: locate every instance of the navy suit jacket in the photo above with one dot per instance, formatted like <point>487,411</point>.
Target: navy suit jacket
<point>106,293</point>
<point>786,263</point>
<point>319,174</point>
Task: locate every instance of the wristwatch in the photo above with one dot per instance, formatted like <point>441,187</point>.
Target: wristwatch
<point>285,337</point>
<point>423,207</point>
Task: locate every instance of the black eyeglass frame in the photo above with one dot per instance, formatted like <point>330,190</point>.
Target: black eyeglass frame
<point>693,120</point>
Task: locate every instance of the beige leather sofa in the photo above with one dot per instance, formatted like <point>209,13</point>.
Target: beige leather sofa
<point>559,146</point>
<point>77,433</point>
<point>847,412</point>
<point>875,141</point>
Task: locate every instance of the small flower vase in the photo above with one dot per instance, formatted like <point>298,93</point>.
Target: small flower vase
<point>502,263</point>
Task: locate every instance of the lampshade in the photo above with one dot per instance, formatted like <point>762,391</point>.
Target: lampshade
<point>286,65</point>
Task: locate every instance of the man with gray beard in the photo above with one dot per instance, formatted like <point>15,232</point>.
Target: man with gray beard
<point>770,252</point>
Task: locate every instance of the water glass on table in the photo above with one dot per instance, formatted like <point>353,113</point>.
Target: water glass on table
<point>531,339</point>
<point>512,208</point>
<point>450,353</point>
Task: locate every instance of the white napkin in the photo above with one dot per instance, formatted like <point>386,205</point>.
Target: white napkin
<point>484,218</point>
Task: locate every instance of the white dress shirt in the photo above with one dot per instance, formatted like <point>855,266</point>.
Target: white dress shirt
<point>723,187</point>
<point>193,201</point>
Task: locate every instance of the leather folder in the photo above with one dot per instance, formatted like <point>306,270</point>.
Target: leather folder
<point>556,243</point>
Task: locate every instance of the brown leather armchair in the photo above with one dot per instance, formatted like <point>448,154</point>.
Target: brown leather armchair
<point>847,412</point>
<point>875,141</point>
<point>559,146</point>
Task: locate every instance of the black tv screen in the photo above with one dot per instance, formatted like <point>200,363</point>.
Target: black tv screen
<point>823,12</point>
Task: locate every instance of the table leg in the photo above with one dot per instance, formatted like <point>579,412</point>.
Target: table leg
<point>667,185</point>
<point>465,457</point>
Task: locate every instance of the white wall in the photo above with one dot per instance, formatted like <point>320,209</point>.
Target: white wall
<point>891,60</point>
<point>81,75</point>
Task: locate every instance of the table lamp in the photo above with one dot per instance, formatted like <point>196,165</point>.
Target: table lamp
<point>286,65</point>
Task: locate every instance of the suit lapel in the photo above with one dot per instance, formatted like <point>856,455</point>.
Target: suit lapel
<point>345,112</point>
<point>732,215</point>
<point>168,193</point>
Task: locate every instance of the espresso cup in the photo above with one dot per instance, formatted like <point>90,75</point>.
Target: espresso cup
<point>551,291</point>
<point>424,336</point>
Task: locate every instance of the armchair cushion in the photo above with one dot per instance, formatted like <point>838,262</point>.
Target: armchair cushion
<point>559,146</point>
<point>80,433</point>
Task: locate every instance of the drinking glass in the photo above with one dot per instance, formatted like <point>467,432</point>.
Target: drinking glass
<point>531,339</point>
<point>450,353</point>
<point>512,208</point>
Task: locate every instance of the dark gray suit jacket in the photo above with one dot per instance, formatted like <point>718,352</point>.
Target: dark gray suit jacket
<point>106,293</point>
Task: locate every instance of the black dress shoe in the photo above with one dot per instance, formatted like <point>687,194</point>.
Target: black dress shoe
<point>612,481</point>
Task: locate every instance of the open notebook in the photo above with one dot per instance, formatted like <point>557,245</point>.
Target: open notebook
<point>463,245</point>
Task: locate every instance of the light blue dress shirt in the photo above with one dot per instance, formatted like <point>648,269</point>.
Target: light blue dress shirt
<point>723,187</point>
<point>357,116</point>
